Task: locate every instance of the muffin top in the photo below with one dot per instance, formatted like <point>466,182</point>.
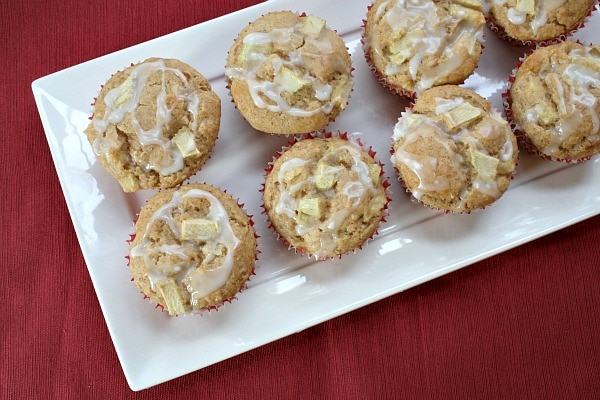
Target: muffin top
<point>289,73</point>
<point>453,151</point>
<point>154,124</point>
<point>325,196</point>
<point>194,248</point>
<point>555,97</point>
<point>538,20</point>
<point>416,44</point>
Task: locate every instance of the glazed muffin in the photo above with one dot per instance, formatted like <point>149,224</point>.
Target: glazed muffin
<point>453,151</point>
<point>289,74</point>
<point>325,196</point>
<point>194,248</point>
<point>532,21</point>
<point>554,101</point>
<point>154,124</point>
<point>412,45</point>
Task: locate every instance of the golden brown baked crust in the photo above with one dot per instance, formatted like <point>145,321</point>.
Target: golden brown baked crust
<point>423,43</point>
<point>325,196</point>
<point>194,248</point>
<point>155,124</point>
<point>554,100</point>
<point>533,21</point>
<point>453,151</point>
<point>289,74</point>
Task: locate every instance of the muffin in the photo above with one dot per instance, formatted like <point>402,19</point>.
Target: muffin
<point>554,101</point>
<point>325,196</point>
<point>453,151</point>
<point>289,74</point>
<point>194,248</point>
<point>412,45</point>
<point>154,124</point>
<point>531,21</point>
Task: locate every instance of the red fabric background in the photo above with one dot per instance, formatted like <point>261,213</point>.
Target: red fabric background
<point>524,324</point>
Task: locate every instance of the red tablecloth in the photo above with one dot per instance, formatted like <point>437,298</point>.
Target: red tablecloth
<point>523,324</point>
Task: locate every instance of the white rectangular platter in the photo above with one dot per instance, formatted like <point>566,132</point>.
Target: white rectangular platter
<point>289,293</point>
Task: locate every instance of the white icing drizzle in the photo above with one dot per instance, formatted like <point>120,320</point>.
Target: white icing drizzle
<point>516,17</point>
<point>380,10</point>
<point>200,281</point>
<point>429,37</point>
<point>131,90</point>
<point>273,90</point>
<point>287,204</point>
<point>573,86</point>
<point>412,127</point>
<point>537,19</point>
<point>354,190</point>
<point>423,166</point>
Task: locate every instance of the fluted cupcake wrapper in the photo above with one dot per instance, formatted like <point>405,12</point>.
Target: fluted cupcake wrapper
<point>215,307</point>
<point>524,142</point>
<point>326,134</point>
<point>382,79</point>
<point>332,120</point>
<point>418,201</point>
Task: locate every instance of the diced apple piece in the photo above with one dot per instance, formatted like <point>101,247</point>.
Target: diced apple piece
<point>310,207</point>
<point>526,6</point>
<point>461,115</point>
<point>129,183</point>
<point>374,173</point>
<point>546,113</point>
<point>296,40</point>
<point>199,229</point>
<point>472,4</point>
<point>341,93</point>
<point>169,291</point>
<point>249,50</point>
<point>184,140</point>
<point>376,204</point>
<point>325,176</point>
<point>288,81</point>
<point>325,181</point>
<point>402,56</point>
<point>484,164</point>
<point>312,25</point>
<point>125,92</point>
<point>403,49</point>
<point>291,174</point>
<point>217,250</point>
<point>398,45</point>
<point>409,120</point>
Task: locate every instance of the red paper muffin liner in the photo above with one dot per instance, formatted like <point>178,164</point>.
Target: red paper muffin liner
<point>331,120</point>
<point>326,134</point>
<point>523,140</point>
<point>501,33</point>
<point>91,117</point>
<point>212,308</point>
<point>382,79</point>
<point>440,210</point>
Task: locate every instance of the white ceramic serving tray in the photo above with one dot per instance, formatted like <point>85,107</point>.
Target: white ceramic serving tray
<point>289,292</point>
